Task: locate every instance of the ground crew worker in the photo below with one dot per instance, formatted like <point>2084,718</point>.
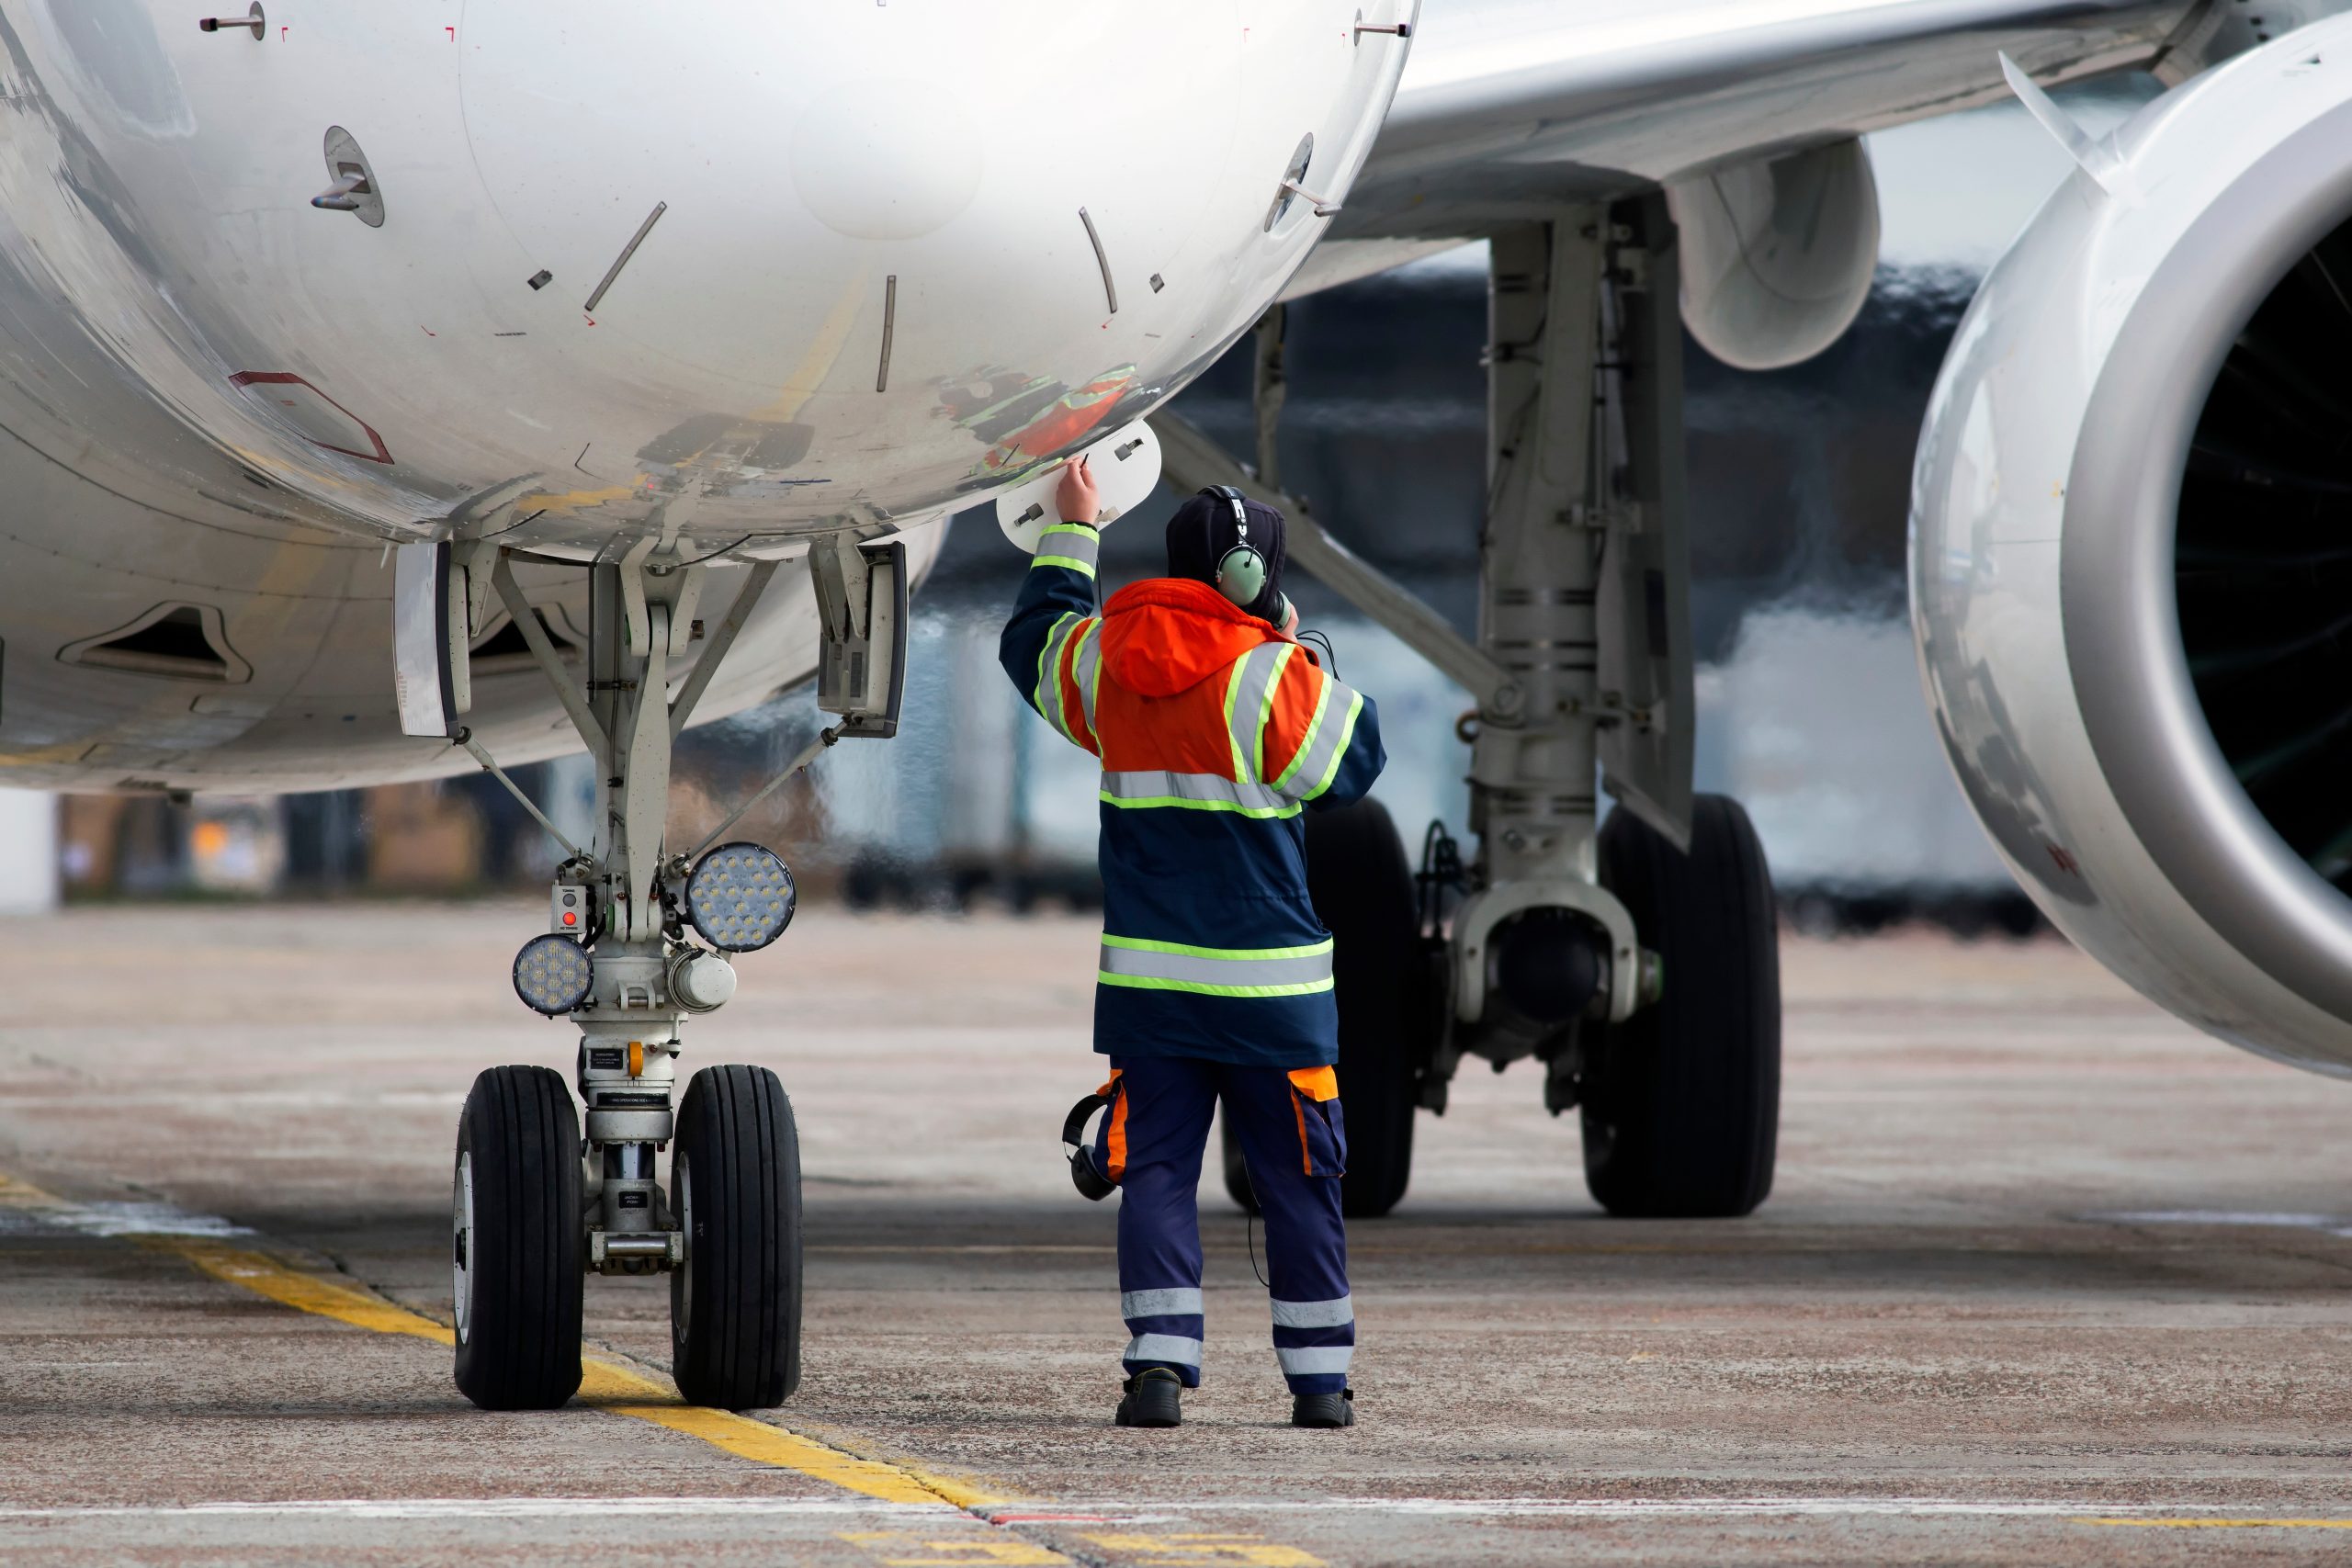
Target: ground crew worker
<point>1215,728</point>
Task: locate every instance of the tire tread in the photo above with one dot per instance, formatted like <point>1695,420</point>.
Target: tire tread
<point>1682,1107</point>
<point>742,1349</point>
<point>523,1349</point>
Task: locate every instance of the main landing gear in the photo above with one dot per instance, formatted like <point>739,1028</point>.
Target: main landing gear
<point>1638,962</point>
<point>640,938</point>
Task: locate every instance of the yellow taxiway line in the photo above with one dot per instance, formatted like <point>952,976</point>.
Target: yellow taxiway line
<point>603,1385</point>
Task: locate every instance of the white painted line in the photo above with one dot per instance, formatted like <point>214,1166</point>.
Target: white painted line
<point>117,1219</point>
<point>1131,1512</point>
<point>492,1508</point>
<point>1726,1507</point>
<point>2331,1225</point>
<point>1671,1508</point>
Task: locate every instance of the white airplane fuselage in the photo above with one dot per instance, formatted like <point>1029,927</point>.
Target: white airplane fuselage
<point>728,274</point>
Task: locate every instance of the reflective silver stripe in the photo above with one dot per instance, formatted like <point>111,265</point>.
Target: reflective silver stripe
<point>1040,698</point>
<point>1286,966</point>
<point>1248,695</point>
<point>1308,1360</point>
<point>1071,545</point>
<point>1326,737</point>
<point>1050,673</point>
<point>1176,1302</point>
<point>1310,786</point>
<point>1090,666</point>
<point>1173,1348</point>
<point>1315,1314</point>
<point>1158,787</point>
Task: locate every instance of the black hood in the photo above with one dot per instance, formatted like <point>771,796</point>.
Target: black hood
<point>1203,531</point>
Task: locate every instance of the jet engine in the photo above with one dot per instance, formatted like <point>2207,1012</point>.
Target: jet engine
<point>2131,549</point>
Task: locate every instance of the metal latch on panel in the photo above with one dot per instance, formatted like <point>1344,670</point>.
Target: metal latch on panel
<point>253,18</point>
<point>862,613</point>
<point>353,190</point>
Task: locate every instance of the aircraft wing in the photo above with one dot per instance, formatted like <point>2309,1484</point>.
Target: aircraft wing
<point>1507,105</point>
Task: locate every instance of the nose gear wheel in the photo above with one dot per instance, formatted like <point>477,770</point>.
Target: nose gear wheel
<point>735,1302</point>
<point>515,1246</point>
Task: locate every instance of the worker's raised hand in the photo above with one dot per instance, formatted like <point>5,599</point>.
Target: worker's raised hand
<point>1077,496</point>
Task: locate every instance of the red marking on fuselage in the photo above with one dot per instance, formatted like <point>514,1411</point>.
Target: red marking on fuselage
<point>382,454</point>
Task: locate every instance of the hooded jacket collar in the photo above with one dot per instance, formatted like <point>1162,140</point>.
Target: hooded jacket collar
<point>1167,635</point>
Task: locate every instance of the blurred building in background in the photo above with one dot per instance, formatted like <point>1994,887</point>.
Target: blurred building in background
<point>1809,699</point>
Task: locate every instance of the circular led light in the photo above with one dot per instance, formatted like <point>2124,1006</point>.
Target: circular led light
<point>551,973</point>
<point>739,897</point>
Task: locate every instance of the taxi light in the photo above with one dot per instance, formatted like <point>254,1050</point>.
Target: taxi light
<point>551,975</point>
<point>741,898</point>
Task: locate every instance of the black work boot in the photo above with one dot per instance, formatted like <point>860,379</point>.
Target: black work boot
<point>1152,1399</point>
<point>1323,1409</point>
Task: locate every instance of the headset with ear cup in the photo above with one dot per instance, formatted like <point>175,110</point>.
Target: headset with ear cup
<point>1241,570</point>
<point>1091,1184</point>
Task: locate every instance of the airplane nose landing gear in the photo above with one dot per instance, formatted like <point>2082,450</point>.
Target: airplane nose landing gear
<point>641,941</point>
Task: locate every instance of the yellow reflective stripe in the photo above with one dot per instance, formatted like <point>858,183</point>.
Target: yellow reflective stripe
<point>1146,944</point>
<point>1339,752</point>
<point>1086,666</point>
<point>1071,545</point>
<point>1266,710</point>
<point>1251,680</point>
<point>1049,673</point>
<point>1232,692</point>
<point>1291,971</point>
<point>1198,989</point>
<point>1289,808</point>
<point>1306,741</point>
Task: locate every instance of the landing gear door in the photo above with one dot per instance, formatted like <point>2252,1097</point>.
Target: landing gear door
<point>431,676</point>
<point>1643,602</point>
<point>862,660</point>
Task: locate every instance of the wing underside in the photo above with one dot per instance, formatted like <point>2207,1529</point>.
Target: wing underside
<point>1511,107</point>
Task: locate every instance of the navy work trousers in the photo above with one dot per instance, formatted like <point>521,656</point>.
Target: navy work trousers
<point>1296,1141</point>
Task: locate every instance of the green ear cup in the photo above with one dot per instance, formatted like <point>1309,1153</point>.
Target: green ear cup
<point>1241,575</point>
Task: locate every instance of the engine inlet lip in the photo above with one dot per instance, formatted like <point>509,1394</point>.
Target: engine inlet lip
<point>2124,647</point>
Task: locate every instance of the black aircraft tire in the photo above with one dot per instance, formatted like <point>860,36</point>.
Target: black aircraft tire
<point>1362,888</point>
<point>515,1211</point>
<point>735,1303</point>
<point>1681,1101</point>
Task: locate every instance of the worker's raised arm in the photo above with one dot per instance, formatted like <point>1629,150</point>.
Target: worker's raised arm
<point>1053,623</point>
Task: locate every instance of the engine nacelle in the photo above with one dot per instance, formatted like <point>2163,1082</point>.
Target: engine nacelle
<point>2132,551</point>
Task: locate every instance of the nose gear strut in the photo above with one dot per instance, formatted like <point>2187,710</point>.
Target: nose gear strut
<point>639,940</point>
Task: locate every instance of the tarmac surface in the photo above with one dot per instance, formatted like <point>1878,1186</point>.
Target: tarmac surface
<point>2046,1278</point>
